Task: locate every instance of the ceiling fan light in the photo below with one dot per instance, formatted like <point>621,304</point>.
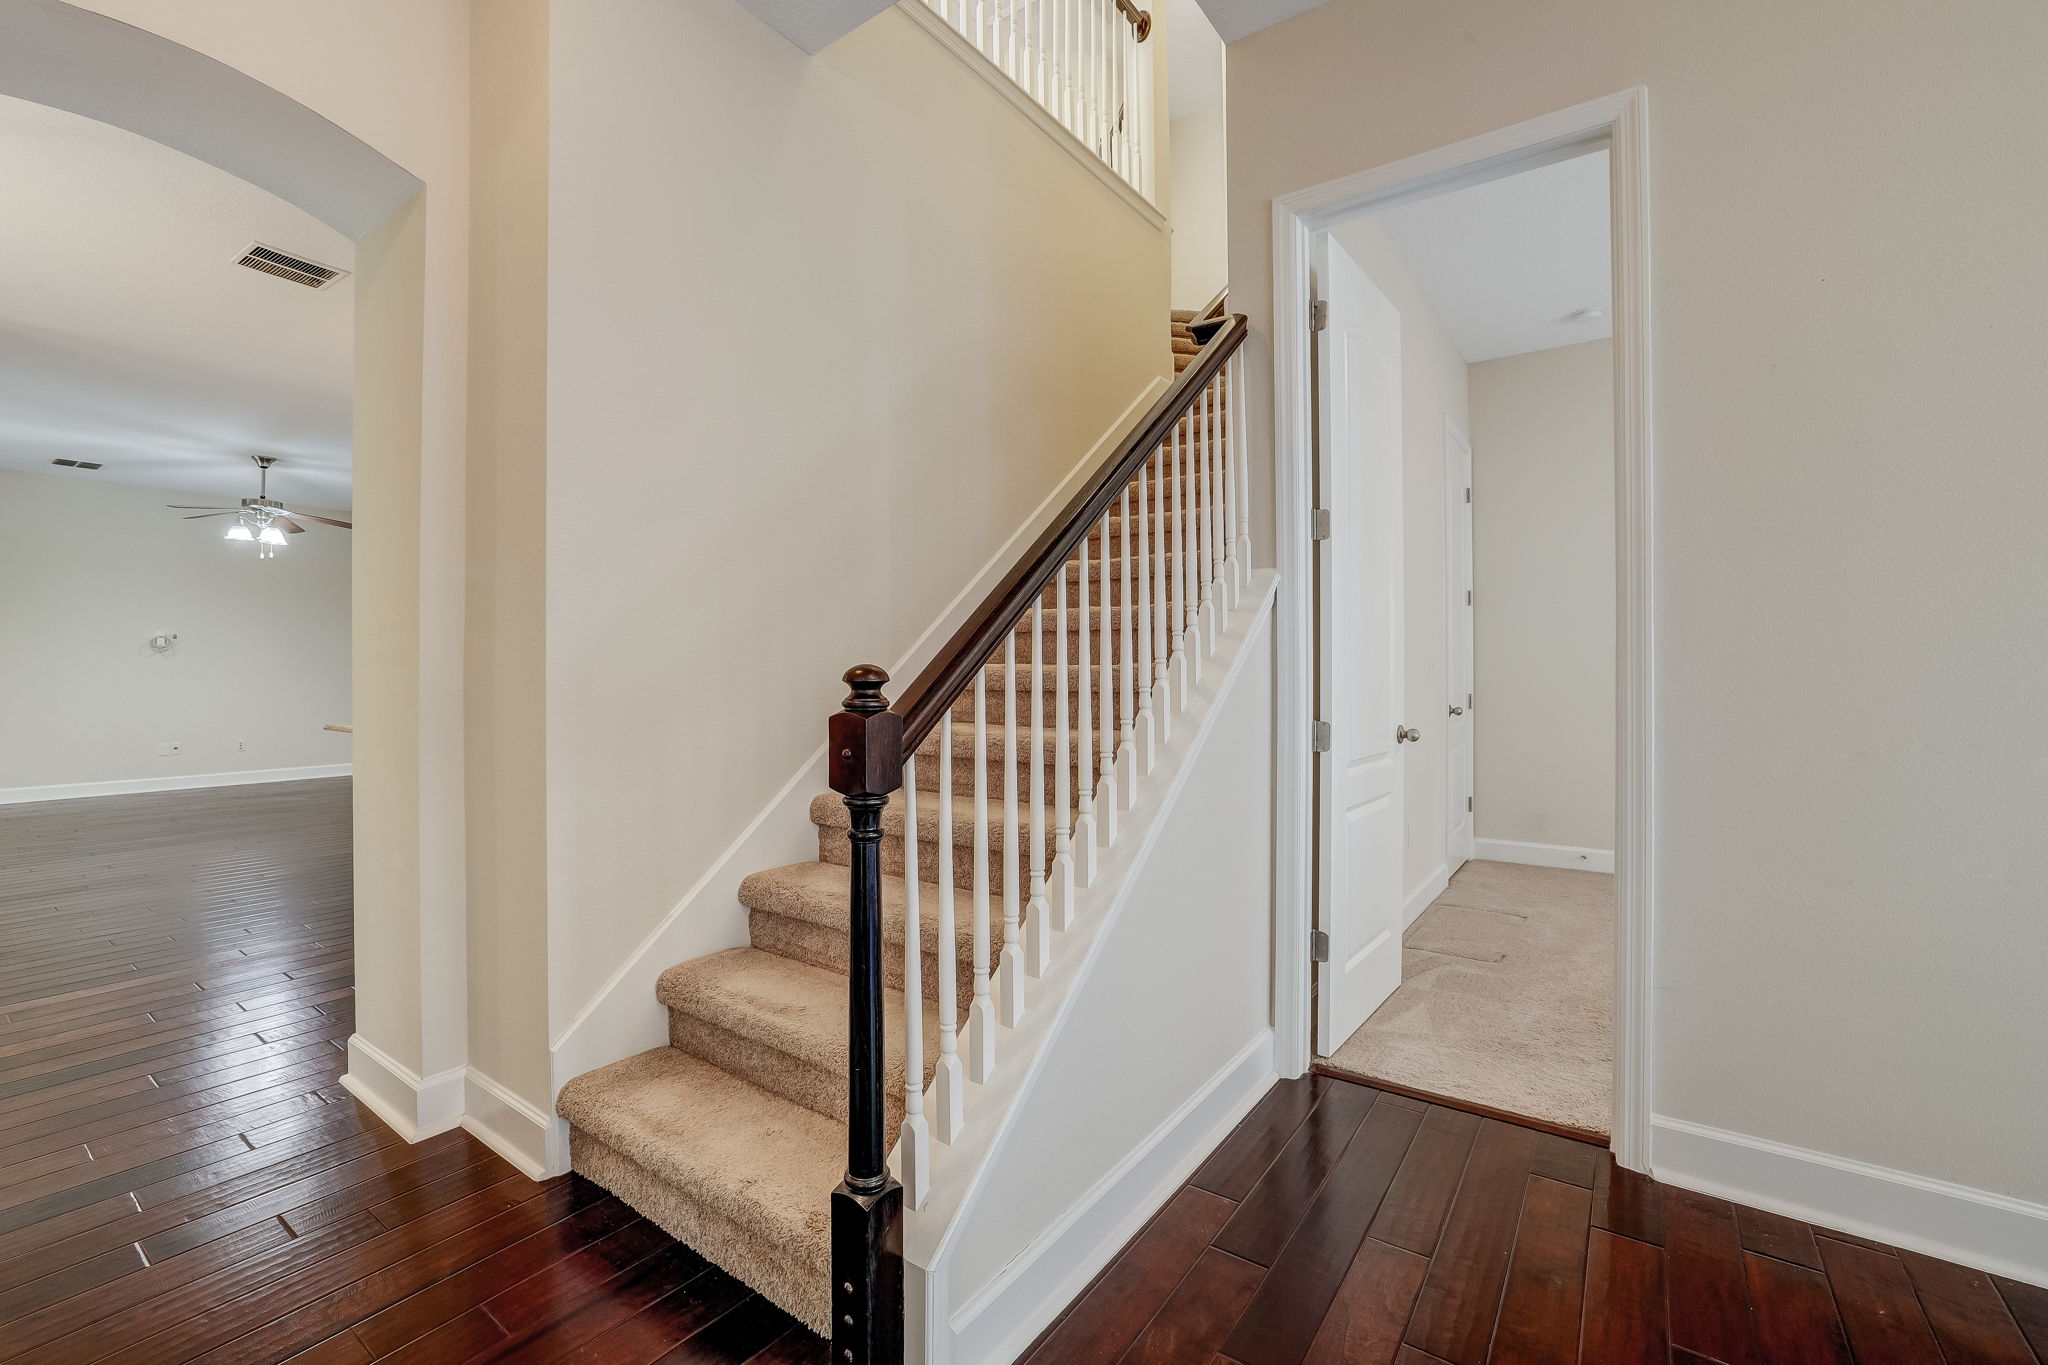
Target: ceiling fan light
<point>270,535</point>
<point>239,532</point>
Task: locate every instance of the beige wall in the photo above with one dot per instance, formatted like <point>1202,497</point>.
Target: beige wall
<point>1543,596</point>
<point>1201,251</point>
<point>506,646</point>
<point>1849,337</point>
<point>822,331</point>
<point>89,571</point>
<point>1432,393</point>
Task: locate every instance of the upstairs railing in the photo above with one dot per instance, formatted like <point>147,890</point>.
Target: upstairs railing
<point>1081,60</point>
<point>1127,592</point>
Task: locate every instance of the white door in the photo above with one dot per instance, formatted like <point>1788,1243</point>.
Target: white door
<point>1458,729</point>
<point>1358,664</point>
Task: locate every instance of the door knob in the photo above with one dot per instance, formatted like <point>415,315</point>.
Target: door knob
<point>1406,734</point>
<point>1457,710</point>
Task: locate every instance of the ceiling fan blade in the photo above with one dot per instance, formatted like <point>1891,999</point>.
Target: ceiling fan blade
<point>204,515</point>
<point>194,507</point>
<point>325,521</point>
<point>291,527</point>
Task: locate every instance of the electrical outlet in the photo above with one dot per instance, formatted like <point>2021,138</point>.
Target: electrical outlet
<point>241,746</point>
<point>170,748</point>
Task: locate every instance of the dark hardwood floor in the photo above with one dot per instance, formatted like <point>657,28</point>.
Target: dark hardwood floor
<point>1342,1225</point>
<point>183,1179</point>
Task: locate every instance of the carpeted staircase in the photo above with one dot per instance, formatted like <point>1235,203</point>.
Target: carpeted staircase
<point>733,1136</point>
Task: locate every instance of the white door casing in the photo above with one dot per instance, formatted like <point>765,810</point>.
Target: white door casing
<point>1458,718</point>
<point>1359,655</point>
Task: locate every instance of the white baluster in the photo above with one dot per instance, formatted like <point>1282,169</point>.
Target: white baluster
<point>1162,637</point>
<point>981,1014</point>
<point>1126,683</point>
<point>1205,607</point>
<point>1037,933</point>
<point>1148,721</point>
<point>1184,536</point>
<point>1063,872</point>
<point>917,1134</point>
<point>1226,470</point>
<point>1212,469</point>
<point>1105,696</point>
<point>1244,474</point>
<point>949,1095</point>
<point>1086,836</point>
<point>1012,991</point>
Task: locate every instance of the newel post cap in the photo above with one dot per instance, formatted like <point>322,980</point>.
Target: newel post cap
<point>866,737</point>
<point>866,680</point>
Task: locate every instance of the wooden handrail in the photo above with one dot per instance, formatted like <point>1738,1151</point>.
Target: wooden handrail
<point>1140,20</point>
<point>942,682</point>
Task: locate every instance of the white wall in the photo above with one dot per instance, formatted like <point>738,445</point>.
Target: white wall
<point>89,571</point>
<point>889,315</point>
<point>1201,249</point>
<point>1849,499</point>
<point>1543,596</point>
<point>1433,379</point>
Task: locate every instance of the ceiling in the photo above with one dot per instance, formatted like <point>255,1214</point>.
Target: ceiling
<point>129,336</point>
<point>1506,263</point>
<point>1194,59</point>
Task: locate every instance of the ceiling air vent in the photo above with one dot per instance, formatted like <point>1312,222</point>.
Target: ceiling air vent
<point>78,464</point>
<point>271,261</point>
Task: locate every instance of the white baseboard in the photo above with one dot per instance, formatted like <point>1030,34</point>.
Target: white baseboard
<point>1990,1232</point>
<point>1543,855</point>
<point>415,1107</point>
<point>514,1129</point>
<point>67,791</point>
<point>1434,885</point>
<point>623,1018</point>
<point>1001,1321</point>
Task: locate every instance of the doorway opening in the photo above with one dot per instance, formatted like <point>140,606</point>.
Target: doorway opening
<point>1459,422</point>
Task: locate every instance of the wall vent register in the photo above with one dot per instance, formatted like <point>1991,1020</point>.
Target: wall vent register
<point>271,261</point>
<point>78,464</point>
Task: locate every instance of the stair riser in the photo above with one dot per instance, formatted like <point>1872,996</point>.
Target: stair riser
<point>820,1089</point>
<point>963,775</point>
<point>832,848</point>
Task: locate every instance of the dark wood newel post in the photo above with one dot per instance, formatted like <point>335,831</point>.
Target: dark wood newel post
<point>867,1248</point>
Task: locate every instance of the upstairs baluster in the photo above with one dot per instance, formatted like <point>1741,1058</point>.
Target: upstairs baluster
<point>1085,832</point>
<point>1104,683</point>
<point>981,1014</point>
<point>1037,935</point>
<point>915,1145</point>
<point>949,1093</point>
<point>1012,986</point>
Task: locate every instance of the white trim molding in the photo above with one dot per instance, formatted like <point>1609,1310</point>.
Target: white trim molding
<point>1434,885</point>
<point>414,1106</point>
<point>514,1129</point>
<point>1620,122</point>
<point>1990,1232</point>
<point>70,791</point>
<point>1543,855</point>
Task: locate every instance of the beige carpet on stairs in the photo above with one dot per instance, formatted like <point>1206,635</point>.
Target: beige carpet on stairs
<point>1506,999</point>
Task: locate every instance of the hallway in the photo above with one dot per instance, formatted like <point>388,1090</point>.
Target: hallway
<point>182,1177</point>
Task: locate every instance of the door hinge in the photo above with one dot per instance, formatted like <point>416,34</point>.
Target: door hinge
<point>1468,701</point>
<point>1468,495</point>
<point>1468,803</point>
<point>1319,737</point>
<point>1468,597</point>
<point>1318,314</point>
<point>1319,523</point>
<point>1318,946</point>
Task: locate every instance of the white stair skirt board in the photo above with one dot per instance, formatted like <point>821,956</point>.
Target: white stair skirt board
<point>521,1133</point>
<point>414,1106</point>
<point>624,1017</point>
<point>11,796</point>
<point>1434,885</point>
<point>1543,855</point>
<point>1990,1232</point>
<point>1002,1318</point>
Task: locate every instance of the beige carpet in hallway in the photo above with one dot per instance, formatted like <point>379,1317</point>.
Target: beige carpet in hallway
<point>1506,998</point>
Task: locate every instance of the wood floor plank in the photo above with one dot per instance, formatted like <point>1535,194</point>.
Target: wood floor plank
<point>1233,1168</point>
<point>1546,1285</point>
<point>1627,1204</point>
<point>1455,1312</point>
<point>1262,1223</point>
<point>1193,1322</point>
<point>1705,1279</point>
<point>1879,1309</point>
<point>1368,1316</point>
<point>2028,1304</point>
<point>1624,1319</point>
<point>1567,1160</point>
<point>1968,1315</point>
<point>1773,1234</point>
<point>1280,1324</point>
<point>1795,1312</point>
<point>1412,1215</point>
<point>1108,1318</point>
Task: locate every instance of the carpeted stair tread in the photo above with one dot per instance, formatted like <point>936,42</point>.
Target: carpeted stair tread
<point>752,1159</point>
<point>817,893</point>
<point>791,1006</point>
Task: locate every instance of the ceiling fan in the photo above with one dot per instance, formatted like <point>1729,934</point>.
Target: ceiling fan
<point>261,519</point>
